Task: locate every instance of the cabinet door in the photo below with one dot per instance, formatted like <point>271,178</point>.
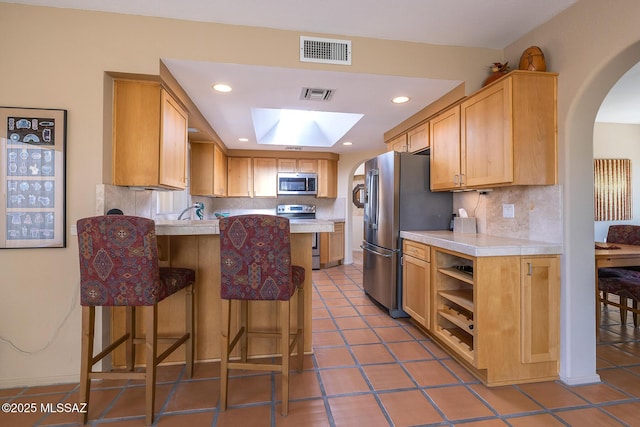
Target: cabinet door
<point>486,143</point>
<point>219,172</point>
<point>540,309</point>
<point>202,169</point>
<point>265,171</point>
<point>239,177</point>
<point>327,178</point>
<point>418,138</point>
<point>445,150</point>
<point>287,165</point>
<point>307,166</point>
<point>398,143</point>
<point>173,143</point>
<point>336,246</point>
<point>416,286</point>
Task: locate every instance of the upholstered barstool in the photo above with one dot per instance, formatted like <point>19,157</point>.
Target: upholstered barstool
<point>119,267</point>
<point>255,264</point>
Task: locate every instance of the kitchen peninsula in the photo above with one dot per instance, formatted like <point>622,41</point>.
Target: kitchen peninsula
<point>493,303</point>
<point>196,244</point>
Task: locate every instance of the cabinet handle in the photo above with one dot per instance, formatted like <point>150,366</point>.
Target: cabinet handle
<point>461,179</point>
<point>455,179</point>
<point>530,266</point>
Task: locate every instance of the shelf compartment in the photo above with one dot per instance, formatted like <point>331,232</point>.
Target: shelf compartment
<point>461,297</point>
<point>461,342</point>
<point>457,274</point>
<point>464,322</point>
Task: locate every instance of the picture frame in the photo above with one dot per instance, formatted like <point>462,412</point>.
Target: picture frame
<point>32,178</point>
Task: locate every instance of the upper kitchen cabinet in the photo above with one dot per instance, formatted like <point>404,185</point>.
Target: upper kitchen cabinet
<point>249,177</point>
<point>298,165</point>
<point>327,178</point>
<point>208,168</point>
<point>507,136</point>
<point>418,138</point>
<point>149,136</point>
<point>399,143</point>
<point>445,149</point>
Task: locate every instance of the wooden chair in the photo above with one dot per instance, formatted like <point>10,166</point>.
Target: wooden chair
<point>255,264</point>
<point>119,267</point>
<point>621,281</point>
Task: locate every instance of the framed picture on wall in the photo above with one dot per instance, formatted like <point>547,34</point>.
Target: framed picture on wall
<point>32,178</point>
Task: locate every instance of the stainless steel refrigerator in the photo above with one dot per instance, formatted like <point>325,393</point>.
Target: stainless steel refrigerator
<point>397,197</point>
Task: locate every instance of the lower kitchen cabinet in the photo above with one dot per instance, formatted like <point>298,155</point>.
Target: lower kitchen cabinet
<point>416,282</point>
<point>332,246</point>
<point>497,315</point>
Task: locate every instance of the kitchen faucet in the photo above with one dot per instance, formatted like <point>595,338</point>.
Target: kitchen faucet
<point>198,206</point>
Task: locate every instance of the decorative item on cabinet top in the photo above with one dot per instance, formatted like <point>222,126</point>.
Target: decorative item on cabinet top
<point>532,59</point>
<point>497,70</point>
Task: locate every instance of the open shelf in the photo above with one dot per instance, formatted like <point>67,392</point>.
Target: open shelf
<point>461,297</point>
<point>457,274</point>
<point>459,319</point>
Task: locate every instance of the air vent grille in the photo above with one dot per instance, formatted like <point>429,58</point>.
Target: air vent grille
<point>316,94</point>
<point>292,148</point>
<point>327,51</point>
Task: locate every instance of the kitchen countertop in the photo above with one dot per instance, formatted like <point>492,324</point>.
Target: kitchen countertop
<point>479,245</point>
<point>211,226</point>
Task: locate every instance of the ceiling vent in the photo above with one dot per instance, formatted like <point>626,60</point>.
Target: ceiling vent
<point>315,94</point>
<point>292,148</point>
<point>326,51</point>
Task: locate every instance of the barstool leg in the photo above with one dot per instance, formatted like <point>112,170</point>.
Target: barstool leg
<point>224,352</point>
<point>300,331</point>
<point>151,349</point>
<point>130,348</point>
<point>623,310</point>
<point>88,327</point>
<point>189,344</point>
<point>285,332</point>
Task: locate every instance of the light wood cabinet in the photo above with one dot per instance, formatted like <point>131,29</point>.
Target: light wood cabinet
<point>208,170</point>
<point>416,282</point>
<point>398,143</point>
<point>497,315</point>
<point>507,135</point>
<point>149,136</point>
<point>418,138</point>
<point>249,177</point>
<point>327,178</point>
<point>332,246</point>
<point>298,165</point>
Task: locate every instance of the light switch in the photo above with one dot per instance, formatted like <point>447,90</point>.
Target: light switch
<point>508,211</point>
<point>74,230</point>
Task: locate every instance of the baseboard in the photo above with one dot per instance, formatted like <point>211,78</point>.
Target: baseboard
<point>580,380</point>
<point>39,381</point>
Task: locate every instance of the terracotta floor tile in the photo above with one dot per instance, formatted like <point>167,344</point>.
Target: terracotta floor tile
<point>362,410</point>
<point>360,336</point>
<point>57,388</point>
<point>435,349</point>
<point>32,413</point>
<point>588,417</point>
<point>459,371</point>
<point>331,357</point>
<point>255,389</point>
<point>191,419</point>
<point>302,385</point>
<point>540,420</point>
<point>378,320</point>
<point>627,412</point>
<point>10,392</point>
<point>551,395</point>
<point>308,413</point>
<point>372,353</point>
<point>409,408</point>
<point>599,393</point>
<point>393,334</point>
<point>366,310</point>
<point>99,400</point>
<point>194,395</point>
<point>324,325</point>
<point>430,373</point>
<point>337,302</point>
<point>343,380</point>
<point>615,356</point>
<point>358,299</point>
<point>320,313</point>
<point>343,311</point>
<point>448,400</point>
<point>388,377</point>
<point>506,400</point>
<point>355,322</point>
<point>206,370</point>
<point>496,422</point>
<point>331,294</point>
<point>323,339</point>
<point>252,416</point>
<point>132,401</point>
<point>409,350</point>
<point>622,379</point>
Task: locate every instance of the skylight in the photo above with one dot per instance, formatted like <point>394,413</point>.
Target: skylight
<point>301,127</point>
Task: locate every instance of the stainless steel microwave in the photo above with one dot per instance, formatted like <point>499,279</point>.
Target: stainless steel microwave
<point>292,183</point>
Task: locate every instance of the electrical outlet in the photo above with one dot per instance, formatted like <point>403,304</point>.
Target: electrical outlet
<point>74,230</point>
<point>508,211</point>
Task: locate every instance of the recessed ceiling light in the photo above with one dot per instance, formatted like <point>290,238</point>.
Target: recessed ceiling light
<point>400,99</point>
<point>221,87</point>
<point>347,143</point>
<point>243,139</point>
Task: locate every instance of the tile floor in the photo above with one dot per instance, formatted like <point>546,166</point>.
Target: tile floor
<point>367,370</point>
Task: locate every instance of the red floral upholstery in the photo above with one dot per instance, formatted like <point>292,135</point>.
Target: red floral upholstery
<point>620,281</point>
<point>119,263</point>
<point>255,259</point>
<point>625,234</point>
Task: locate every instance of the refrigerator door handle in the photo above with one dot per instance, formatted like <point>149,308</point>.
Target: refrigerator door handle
<point>373,198</point>
<point>375,252</point>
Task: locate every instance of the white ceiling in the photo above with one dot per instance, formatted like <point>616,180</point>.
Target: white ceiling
<point>486,23</point>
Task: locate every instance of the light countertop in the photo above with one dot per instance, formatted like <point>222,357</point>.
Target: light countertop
<point>479,245</point>
<point>211,226</point>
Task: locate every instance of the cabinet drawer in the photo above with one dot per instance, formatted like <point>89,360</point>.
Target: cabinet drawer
<point>416,250</point>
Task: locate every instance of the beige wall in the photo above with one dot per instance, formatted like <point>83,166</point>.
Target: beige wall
<point>56,58</point>
<point>591,45</point>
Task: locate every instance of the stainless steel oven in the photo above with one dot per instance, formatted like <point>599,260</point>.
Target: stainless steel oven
<point>304,212</point>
